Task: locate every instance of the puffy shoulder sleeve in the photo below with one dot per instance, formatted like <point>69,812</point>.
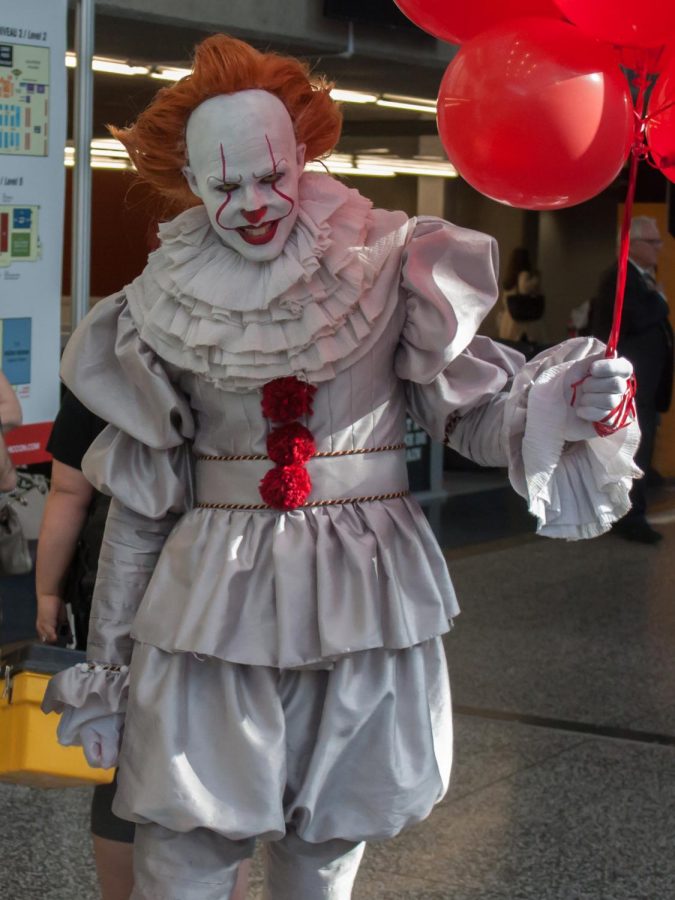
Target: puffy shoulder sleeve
<point>141,458</point>
<point>449,282</point>
<point>449,279</point>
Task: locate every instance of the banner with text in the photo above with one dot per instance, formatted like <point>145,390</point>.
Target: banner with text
<point>33,113</point>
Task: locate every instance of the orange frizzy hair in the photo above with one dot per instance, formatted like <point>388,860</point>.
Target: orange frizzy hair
<point>225,65</point>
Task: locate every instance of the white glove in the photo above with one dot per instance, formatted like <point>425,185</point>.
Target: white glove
<point>595,396</point>
<point>101,739</point>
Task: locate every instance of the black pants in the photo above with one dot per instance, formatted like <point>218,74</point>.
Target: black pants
<point>648,420</point>
<point>104,822</point>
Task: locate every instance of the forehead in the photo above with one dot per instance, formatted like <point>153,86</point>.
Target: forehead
<point>241,124</point>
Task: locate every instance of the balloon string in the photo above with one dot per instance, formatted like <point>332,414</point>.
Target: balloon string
<point>657,112</point>
<point>637,152</point>
<point>624,413</point>
<point>623,257</point>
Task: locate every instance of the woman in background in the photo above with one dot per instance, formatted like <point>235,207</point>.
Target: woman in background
<point>10,417</point>
<point>10,408</point>
<point>521,317</point>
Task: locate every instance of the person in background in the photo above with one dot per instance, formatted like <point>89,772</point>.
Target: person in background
<point>7,470</point>
<point>10,408</point>
<point>646,339</point>
<point>10,417</point>
<point>67,560</point>
<point>522,303</point>
<point>67,555</point>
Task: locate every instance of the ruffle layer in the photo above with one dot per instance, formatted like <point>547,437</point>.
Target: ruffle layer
<point>81,694</point>
<point>244,750</point>
<point>577,490</point>
<point>206,309</point>
<point>240,588</point>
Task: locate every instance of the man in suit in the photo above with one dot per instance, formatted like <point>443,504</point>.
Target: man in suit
<point>646,339</point>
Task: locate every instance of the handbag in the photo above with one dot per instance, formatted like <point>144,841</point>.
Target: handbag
<point>15,558</point>
<point>525,307</point>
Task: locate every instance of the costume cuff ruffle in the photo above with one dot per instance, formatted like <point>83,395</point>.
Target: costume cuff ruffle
<point>83,693</point>
<point>575,490</point>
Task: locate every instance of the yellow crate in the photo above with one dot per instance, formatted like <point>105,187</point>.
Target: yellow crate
<point>29,751</point>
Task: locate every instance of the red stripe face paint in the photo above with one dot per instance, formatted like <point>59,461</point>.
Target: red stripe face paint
<point>228,197</point>
<point>274,186</point>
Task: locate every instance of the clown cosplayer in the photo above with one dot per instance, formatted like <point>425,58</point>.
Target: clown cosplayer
<point>265,643</point>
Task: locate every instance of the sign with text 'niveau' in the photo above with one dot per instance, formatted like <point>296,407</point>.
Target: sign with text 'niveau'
<point>32,138</point>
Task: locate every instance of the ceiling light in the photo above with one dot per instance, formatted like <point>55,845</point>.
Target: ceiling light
<point>115,67</point>
<point>405,98</point>
<point>344,164</point>
<point>436,169</point>
<point>109,153</point>
<point>352,96</point>
<point>415,107</point>
<point>167,73</point>
<point>110,66</point>
<point>96,163</point>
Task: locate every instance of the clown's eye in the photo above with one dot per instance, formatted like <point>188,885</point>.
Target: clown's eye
<point>227,187</point>
<point>272,178</point>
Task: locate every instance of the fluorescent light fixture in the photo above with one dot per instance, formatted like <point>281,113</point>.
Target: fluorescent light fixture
<point>352,96</point>
<point>167,73</point>
<point>434,168</point>
<point>106,153</point>
<point>109,153</point>
<point>110,144</point>
<point>414,107</point>
<point>110,66</point>
<point>405,98</point>
<point>344,164</point>
<point>115,67</point>
<point>96,163</point>
<point>175,73</point>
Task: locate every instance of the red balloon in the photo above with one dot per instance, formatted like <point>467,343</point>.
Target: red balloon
<point>459,22</point>
<point>627,22</point>
<point>535,114</point>
<point>661,120</point>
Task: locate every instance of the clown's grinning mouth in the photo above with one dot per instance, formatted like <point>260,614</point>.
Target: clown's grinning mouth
<point>259,234</point>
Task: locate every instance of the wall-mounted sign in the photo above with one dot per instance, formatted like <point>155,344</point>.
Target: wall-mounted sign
<point>32,138</point>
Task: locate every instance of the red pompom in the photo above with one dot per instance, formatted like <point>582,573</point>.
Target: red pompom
<point>290,444</point>
<point>286,487</point>
<point>286,399</point>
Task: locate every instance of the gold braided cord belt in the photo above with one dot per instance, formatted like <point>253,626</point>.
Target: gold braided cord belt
<point>340,477</point>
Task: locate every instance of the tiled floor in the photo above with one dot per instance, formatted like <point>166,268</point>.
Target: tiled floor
<point>563,672</point>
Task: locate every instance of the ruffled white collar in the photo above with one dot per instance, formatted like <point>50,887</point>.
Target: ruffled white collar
<point>330,228</point>
<point>204,308</point>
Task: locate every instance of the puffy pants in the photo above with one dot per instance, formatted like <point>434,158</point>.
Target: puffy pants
<point>202,865</point>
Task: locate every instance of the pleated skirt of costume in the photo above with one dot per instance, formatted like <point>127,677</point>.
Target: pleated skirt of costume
<point>357,751</point>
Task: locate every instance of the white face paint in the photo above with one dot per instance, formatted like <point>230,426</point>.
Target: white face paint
<point>244,163</point>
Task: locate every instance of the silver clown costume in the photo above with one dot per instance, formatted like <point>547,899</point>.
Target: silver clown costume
<point>282,672</point>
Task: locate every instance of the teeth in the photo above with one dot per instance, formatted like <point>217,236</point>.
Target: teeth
<point>260,229</point>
